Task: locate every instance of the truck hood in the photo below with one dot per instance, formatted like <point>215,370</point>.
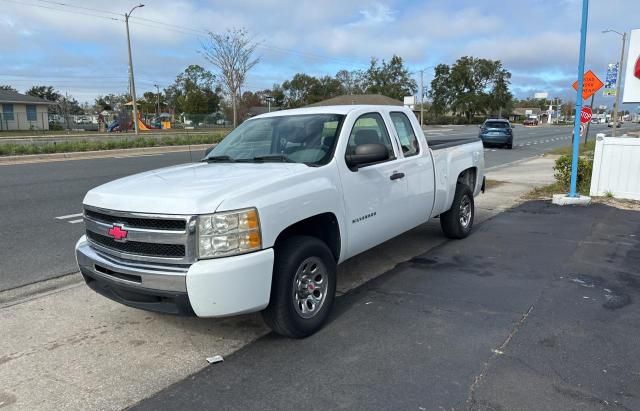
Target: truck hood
<point>196,188</point>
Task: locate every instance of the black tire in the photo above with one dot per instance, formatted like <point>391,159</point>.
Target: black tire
<point>281,315</point>
<point>451,223</point>
<point>510,146</point>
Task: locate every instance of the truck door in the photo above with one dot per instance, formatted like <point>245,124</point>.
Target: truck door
<point>417,165</point>
<point>375,193</point>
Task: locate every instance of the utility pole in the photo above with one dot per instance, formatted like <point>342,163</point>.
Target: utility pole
<point>131,80</point>
<point>157,99</point>
<point>421,98</point>
<point>615,106</point>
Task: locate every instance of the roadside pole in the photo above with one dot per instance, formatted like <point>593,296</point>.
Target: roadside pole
<point>421,98</point>
<point>618,81</point>
<point>586,132</point>
<point>131,79</point>
<point>576,122</point>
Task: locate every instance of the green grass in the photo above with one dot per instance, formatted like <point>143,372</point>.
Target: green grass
<point>545,192</point>
<point>585,149</point>
<point>11,149</point>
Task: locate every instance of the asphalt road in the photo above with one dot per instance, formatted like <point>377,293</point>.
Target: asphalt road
<point>528,141</point>
<point>482,324</point>
<point>40,203</point>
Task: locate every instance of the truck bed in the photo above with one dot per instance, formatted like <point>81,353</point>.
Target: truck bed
<point>437,144</point>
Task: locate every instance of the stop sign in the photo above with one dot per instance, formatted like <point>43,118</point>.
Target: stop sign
<point>586,114</point>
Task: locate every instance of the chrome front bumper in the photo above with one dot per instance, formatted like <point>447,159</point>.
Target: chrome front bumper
<point>130,273</point>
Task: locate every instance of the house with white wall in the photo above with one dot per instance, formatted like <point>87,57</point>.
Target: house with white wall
<point>22,112</point>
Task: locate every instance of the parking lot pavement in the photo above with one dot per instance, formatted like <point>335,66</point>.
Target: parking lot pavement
<point>536,310</point>
<point>79,347</point>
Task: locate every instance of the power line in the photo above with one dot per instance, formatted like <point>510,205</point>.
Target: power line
<point>21,3</point>
<point>79,7</point>
<point>156,24</point>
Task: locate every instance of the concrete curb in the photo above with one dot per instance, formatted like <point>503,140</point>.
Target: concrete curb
<point>84,155</point>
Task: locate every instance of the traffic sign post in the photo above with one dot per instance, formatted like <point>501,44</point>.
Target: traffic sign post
<point>581,91</point>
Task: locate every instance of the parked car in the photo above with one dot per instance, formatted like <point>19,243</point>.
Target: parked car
<point>618,124</point>
<point>530,122</point>
<point>261,223</point>
<point>497,132</point>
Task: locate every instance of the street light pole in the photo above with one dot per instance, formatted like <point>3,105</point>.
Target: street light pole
<point>421,97</point>
<point>131,80</point>
<point>157,99</point>
<point>615,106</point>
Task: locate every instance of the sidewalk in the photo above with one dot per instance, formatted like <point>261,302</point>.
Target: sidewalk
<point>65,347</point>
<point>533,311</point>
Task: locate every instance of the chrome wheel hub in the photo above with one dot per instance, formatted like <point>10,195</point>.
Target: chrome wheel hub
<point>310,287</point>
<point>465,212</point>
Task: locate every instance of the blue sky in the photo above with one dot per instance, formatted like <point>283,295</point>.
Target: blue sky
<point>85,54</point>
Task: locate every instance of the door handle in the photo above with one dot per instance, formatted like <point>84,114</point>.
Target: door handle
<point>396,175</point>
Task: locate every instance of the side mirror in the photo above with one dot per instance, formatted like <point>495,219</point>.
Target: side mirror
<point>367,154</point>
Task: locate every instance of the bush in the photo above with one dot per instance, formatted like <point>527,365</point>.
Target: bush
<point>563,173</point>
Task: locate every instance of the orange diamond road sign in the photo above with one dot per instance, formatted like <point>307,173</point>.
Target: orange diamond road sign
<point>591,84</point>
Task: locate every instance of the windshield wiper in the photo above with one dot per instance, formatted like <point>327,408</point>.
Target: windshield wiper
<point>274,157</point>
<point>219,159</point>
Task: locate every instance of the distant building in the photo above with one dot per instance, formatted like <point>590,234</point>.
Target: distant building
<point>22,112</point>
<point>352,99</point>
<point>523,113</point>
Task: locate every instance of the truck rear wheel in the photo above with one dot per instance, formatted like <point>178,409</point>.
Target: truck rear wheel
<point>303,287</point>
<point>457,222</point>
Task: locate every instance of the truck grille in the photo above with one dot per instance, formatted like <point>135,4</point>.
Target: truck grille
<point>134,247</point>
<point>153,238</point>
<point>149,223</point>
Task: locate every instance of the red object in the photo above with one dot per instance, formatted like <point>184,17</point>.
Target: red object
<point>586,114</point>
<point>117,233</point>
<point>636,71</point>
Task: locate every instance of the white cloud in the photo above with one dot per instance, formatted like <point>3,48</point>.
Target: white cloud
<point>536,39</point>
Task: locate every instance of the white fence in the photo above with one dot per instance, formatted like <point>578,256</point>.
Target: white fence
<point>616,167</point>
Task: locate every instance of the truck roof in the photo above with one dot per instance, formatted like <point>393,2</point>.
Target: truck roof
<point>327,110</point>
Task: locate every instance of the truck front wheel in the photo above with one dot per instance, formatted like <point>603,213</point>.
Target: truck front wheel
<point>303,287</point>
<point>457,222</point>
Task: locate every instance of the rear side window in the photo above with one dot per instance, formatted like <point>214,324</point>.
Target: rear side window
<point>496,124</point>
<point>406,135</point>
<point>370,129</point>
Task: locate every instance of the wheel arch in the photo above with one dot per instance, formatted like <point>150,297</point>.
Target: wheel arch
<point>323,226</point>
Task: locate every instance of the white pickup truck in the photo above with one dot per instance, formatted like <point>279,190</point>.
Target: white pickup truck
<point>261,223</point>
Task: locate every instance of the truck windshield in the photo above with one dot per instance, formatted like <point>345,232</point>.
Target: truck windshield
<point>308,139</point>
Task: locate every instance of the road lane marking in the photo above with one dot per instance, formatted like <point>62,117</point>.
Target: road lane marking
<point>75,221</point>
<point>64,217</point>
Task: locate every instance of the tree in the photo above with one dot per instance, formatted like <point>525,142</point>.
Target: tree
<point>45,92</point>
<point>391,79</point>
<point>194,91</point>
<point>470,86</point>
<point>7,87</point>
<point>232,54</point>
<point>111,102</point>
<point>440,93</point>
<point>299,90</point>
<point>65,104</point>
<point>500,97</point>
<point>350,81</point>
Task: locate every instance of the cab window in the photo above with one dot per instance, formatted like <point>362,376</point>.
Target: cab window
<point>406,135</point>
<point>370,129</point>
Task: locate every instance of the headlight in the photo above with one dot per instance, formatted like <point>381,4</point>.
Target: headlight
<point>229,233</point>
